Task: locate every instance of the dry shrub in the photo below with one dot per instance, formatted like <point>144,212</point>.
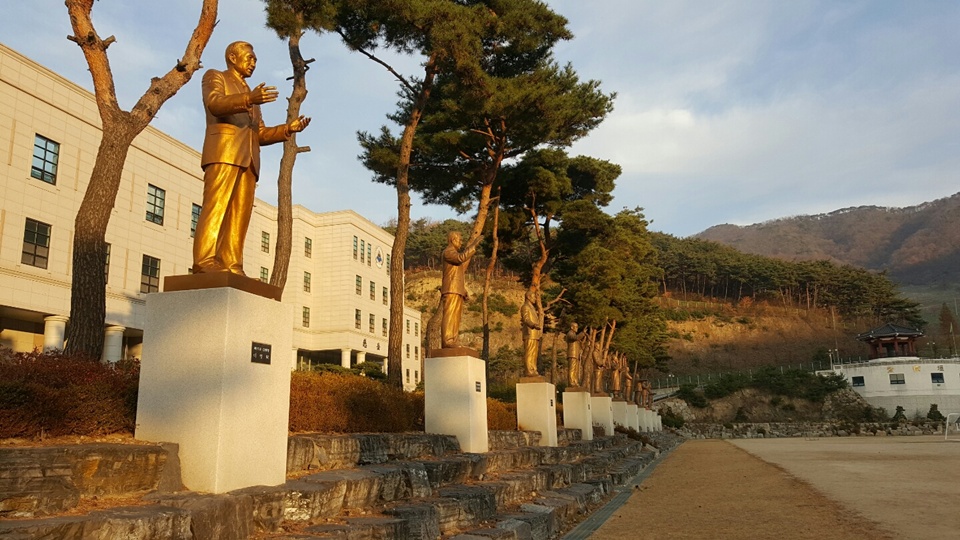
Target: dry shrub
<point>52,394</point>
<point>500,415</point>
<point>340,403</point>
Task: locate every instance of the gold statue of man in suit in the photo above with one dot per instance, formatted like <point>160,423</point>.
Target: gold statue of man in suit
<point>453,288</point>
<point>231,159</point>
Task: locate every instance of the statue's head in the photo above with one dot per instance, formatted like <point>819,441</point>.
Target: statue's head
<point>240,57</point>
<point>454,239</point>
<point>531,295</point>
<point>574,326</point>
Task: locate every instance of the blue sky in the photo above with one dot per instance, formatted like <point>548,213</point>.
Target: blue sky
<point>727,111</point>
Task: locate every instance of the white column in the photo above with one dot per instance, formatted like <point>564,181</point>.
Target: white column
<point>54,328</point>
<point>361,357</point>
<point>345,358</point>
<point>112,343</point>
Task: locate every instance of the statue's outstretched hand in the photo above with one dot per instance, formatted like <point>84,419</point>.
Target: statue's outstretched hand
<point>299,124</point>
<point>263,94</point>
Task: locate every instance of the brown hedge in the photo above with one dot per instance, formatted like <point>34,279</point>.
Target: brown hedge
<point>336,403</point>
<point>52,394</point>
<point>501,416</point>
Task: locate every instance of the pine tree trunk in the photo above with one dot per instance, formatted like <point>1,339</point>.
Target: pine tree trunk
<point>281,259</point>
<point>485,351</point>
<point>395,337</point>
<point>88,301</point>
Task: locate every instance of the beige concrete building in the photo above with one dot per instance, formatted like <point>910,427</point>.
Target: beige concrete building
<point>338,281</point>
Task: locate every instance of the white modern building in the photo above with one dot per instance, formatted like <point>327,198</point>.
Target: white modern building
<point>895,376</point>
<point>338,278</point>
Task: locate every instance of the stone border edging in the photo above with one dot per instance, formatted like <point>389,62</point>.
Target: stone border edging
<point>587,527</point>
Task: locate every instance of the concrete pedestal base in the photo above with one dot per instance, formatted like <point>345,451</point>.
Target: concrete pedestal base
<point>658,424</point>
<point>602,407</point>
<point>647,417</point>
<point>537,410</point>
<point>208,384</point>
<point>577,413</point>
<point>633,416</point>
<point>620,413</point>
<point>455,400</point>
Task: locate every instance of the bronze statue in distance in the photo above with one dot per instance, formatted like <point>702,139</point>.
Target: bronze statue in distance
<point>574,360</point>
<point>453,289</point>
<point>531,331</point>
<point>600,365</point>
<point>231,159</point>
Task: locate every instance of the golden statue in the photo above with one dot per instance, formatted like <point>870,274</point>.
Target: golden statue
<point>453,289</point>
<point>574,361</point>
<point>231,159</point>
<point>600,364</point>
<point>617,365</point>
<point>531,331</point>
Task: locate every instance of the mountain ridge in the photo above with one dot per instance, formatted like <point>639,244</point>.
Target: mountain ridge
<point>916,245</point>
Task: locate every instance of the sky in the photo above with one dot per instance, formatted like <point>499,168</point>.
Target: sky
<point>726,111</point>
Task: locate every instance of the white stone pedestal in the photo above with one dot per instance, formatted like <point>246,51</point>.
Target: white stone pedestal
<point>620,413</point>
<point>633,416</point>
<point>647,419</point>
<point>577,413</point>
<point>202,386</point>
<point>537,410</point>
<point>658,425</point>
<point>602,407</point>
<point>455,400</point>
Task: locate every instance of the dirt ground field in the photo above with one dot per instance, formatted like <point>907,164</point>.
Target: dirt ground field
<point>908,485</point>
<point>714,489</point>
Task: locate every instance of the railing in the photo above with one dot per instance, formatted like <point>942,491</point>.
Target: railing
<point>698,380</point>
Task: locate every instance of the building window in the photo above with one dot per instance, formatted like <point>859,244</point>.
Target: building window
<point>359,284</point>
<point>416,328</point>
<point>306,317</point>
<point>265,241</point>
<point>408,375</point>
<point>384,327</point>
<point>355,248</point>
<point>373,291</point>
<point>36,244</point>
<point>369,254</point>
<point>155,201</point>
<point>386,296</point>
<point>306,282</point>
<point>856,381</point>
<point>150,275</point>
<point>416,352</point>
<point>356,318</point>
<point>194,219</point>
<point>408,326</point>
<point>373,323</point>
<point>388,264</point>
<point>408,350</point>
<point>307,247</point>
<point>936,378</point>
<point>897,378</point>
<point>264,274</point>
<point>416,376</point>
<point>362,250</point>
<point>106,266</point>
<point>46,154</point>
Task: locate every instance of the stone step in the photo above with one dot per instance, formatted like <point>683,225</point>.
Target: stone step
<point>438,495</point>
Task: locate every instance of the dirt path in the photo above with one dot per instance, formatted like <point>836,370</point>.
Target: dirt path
<point>910,485</point>
<point>712,489</point>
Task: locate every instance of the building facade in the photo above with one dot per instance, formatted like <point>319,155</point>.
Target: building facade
<point>338,281</point>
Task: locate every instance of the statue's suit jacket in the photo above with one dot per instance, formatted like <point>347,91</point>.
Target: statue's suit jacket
<point>453,271</point>
<point>235,129</point>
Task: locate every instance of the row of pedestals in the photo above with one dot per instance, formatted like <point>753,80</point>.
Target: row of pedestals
<point>456,404</point>
<point>209,382</point>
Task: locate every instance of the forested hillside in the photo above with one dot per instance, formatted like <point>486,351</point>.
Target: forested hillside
<point>917,245</point>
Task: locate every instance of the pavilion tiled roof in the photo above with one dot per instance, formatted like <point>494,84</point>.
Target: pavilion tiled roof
<point>889,330</point>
